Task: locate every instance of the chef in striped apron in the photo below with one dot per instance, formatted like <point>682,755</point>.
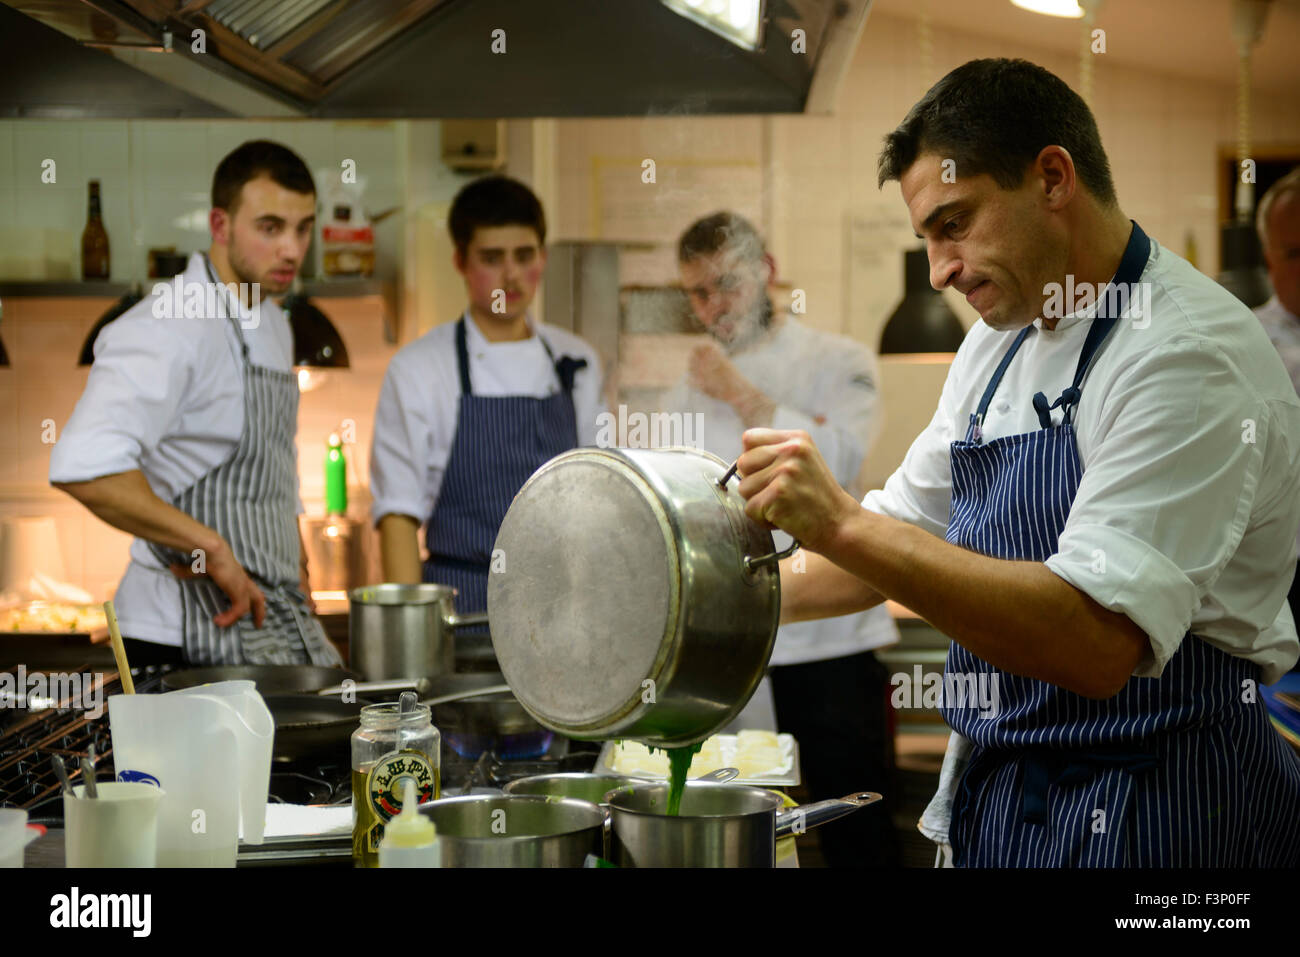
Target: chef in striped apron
<point>185,437</point>
<point>1100,515</point>
<point>474,406</point>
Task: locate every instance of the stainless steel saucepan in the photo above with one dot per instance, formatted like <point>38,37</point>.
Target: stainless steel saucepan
<point>634,598</point>
<point>404,631</point>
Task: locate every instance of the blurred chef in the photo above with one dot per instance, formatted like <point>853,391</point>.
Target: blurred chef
<point>1101,514</point>
<point>766,368</point>
<point>1278,222</point>
<point>474,406</point>
<point>184,436</point>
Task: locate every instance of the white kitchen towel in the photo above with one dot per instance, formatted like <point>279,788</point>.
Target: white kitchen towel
<point>937,818</point>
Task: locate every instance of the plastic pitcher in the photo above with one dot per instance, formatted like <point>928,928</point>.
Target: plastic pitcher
<point>209,749</point>
<point>15,835</point>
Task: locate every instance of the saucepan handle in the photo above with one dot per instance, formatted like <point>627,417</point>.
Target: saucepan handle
<point>465,621</point>
<point>822,812</point>
<point>751,563</point>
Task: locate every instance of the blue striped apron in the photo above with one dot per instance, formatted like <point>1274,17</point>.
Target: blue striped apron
<point>251,500</point>
<point>500,442</point>
<point>1176,771</point>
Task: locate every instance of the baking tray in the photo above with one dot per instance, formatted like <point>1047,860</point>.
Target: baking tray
<point>792,778</point>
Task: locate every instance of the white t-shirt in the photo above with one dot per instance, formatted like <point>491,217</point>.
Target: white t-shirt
<point>1189,434</point>
<point>415,421</point>
<point>165,396</point>
<point>828,386</point>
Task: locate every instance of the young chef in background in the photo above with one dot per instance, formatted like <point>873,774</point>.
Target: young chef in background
<point>1119,489</point>
<point>473,407</point>
<point>762,368</point>
<point>184,437</point>
<point>1278,223</point>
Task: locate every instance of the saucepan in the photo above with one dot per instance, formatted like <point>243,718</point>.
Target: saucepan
<point>720,825</point>
<point>634,598</point>
<point>516,830</point>
<point>404,631</point>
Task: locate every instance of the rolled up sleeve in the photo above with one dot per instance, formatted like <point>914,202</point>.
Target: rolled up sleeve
<point>143,369</point>
<point>400,480</point>
<point>1167,494</point>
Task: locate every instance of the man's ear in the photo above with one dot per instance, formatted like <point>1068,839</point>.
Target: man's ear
<point>458,260</point>
<point>769,263</point>
<point>219,225</point>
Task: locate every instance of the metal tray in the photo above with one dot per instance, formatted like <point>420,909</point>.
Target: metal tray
<point>790,779</point>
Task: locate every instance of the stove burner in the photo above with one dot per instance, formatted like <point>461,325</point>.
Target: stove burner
<point>510,747</point>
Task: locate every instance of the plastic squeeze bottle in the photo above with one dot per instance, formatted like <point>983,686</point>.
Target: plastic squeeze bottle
<point>410,839</point>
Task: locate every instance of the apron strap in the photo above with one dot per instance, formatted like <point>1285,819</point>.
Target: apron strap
<point>221,298</point>
<point>1045,768</point>
<point>1127,275</point>
<point>977,417</point>
<point>566,367</point>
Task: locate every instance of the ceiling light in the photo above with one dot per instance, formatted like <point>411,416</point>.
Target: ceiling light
<point>740,21</point>
<point>1052,8</point>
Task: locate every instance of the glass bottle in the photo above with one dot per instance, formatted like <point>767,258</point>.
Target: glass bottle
<point>390,748</point>
<point>94,240</point>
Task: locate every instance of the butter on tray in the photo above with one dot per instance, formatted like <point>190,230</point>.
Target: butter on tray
<point>754,753</point>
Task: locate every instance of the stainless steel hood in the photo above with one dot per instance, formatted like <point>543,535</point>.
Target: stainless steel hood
<point>413,58</point>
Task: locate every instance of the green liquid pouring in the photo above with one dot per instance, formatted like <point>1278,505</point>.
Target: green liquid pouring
<point>679,762</point>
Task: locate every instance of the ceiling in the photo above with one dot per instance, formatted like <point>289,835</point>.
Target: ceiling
<point>1190,38</point>
<point>424,58</point>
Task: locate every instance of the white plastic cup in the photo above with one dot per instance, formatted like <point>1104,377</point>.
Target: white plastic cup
<point>117,829</point>
<point>15,835</point>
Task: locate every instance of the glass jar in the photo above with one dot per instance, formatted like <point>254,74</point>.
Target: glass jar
<point>387,750</point>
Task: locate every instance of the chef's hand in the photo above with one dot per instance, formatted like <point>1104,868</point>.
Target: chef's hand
<point>787,485</point>
<point>227,575</point>
<point>304,583</point>
<point>711,372</point>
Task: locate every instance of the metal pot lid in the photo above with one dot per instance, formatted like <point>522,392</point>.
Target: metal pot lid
<point>584,589</point>
<point>392,593</point>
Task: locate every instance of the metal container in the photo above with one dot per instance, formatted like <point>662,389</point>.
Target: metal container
<point>720,825</point>
<point>582,787</point>
<point>634,597</point>
<point>404,631</point>
<point>516,830</point>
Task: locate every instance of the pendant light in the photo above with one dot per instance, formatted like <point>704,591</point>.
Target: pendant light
<point>317,345</point>
<point>1241,259</point>
<point>4,356</point>
<point>923,321</point>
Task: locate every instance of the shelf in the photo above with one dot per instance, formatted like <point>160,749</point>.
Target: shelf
<point>63,288</point>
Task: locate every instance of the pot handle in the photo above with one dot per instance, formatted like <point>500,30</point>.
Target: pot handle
<point>465,621</point>
<point>755,563</point>
<point>822,812</point>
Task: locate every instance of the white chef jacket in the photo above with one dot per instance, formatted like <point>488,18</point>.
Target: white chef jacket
<point>1189,435</point>
<point>415,421</point>
<point>165,396</point>
<point>809,374</point>
<point>1283,328</point>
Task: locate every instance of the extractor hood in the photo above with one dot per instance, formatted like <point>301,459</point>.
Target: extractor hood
<point>415,58</point>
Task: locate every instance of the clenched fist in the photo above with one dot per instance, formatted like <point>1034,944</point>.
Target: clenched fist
<point>787,485</point>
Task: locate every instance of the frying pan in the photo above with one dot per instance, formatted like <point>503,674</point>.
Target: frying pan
<point>311,727</point>
<point>270,679</point>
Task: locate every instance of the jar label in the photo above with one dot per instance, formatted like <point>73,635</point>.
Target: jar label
<point>386,783</point>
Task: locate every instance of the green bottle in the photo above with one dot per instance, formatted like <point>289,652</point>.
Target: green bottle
<point>336,478</point>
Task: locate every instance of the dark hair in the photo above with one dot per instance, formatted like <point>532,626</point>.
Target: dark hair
<point>720,230</point>
<point>494,201</point>
<point>995,117</point>
<point>251,160</point>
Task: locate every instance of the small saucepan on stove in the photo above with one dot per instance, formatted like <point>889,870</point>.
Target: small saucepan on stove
<point>516,830</point>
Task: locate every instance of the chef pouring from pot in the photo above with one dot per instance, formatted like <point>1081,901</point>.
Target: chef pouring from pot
<point>185,434</point>
<point>1100,515</point>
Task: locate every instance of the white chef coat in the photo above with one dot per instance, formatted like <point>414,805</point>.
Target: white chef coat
<point>165,396</point>
<point>1189,434</point>
<point>1283,328</point>
<point>809,374</point>
<point>415,421</point>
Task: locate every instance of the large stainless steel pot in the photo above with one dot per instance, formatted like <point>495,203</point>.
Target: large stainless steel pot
<point>720,825</point>
<point>518,830</point>
<point>404,631</point>
<point>634,598</point>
